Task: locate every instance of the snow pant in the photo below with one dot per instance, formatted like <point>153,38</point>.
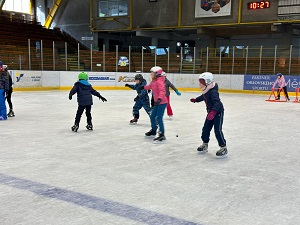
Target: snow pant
<point>217,123</point>
<point>79,113</point>
<point>3,113</point>
<point>157,115</point>
<point>139,103</point>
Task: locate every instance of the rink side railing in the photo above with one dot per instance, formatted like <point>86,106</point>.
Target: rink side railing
<point>59,56</point>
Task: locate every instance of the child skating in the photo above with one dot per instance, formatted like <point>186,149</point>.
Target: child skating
<point>280,81</point>
<point>215,114</point>
<point>84,92</point>
<point>4,88</point>
<point>160,103</point>
<point>10,91</point>
<point>142,98</point>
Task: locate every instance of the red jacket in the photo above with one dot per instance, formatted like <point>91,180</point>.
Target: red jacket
<point>158,89</point>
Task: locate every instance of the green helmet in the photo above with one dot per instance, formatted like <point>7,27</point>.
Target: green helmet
<point>83,76</point>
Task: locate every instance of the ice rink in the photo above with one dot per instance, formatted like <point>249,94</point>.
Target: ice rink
<point>115,176</point>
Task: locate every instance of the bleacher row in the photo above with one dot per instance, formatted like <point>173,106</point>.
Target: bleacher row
<point>14,52</point>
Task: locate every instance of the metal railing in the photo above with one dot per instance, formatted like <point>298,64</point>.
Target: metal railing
<point>58,56</point>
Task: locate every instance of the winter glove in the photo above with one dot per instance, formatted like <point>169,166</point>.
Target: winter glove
<point>178,93</point>
<point>136,98</point>
<point>193,100</point>
<point>126,85</point>
<point>157,102</point>
<point>103,99</point>
<point>70,97</point>
<point>211,115</point>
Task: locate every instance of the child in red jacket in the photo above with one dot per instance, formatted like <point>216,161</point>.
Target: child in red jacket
<point>160,103</point>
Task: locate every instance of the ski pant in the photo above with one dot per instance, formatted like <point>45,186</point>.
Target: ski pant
<point>139,104</point>
<point>79,113</point>
<point>285,92</point>
<point>157,115</point>
<point>3,115</point>
<point>169,108</point>
<point>8,98</point>
<point>217,123</point>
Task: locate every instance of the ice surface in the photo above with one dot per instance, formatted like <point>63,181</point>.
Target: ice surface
<point>51,175</point>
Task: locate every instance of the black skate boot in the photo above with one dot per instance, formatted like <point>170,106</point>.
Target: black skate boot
<point>89,127</point>
<point>75,127</point>
<point>11,113</point>
<point>203,148</point>
<point>133,121</point>
<point>161,137</point>
<point>222,153</point>
<point>150,133</point>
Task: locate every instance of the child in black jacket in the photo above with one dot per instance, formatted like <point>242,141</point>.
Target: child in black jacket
<point>84,92</point>
<point>215,114</point>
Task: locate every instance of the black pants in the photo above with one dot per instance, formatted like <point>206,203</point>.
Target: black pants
<point>217,123</point>
<point>285,92</point>
<point>8,98</point>
<point>80,110</point>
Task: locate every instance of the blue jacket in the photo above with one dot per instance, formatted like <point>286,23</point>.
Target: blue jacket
<point>212,100</point>
<point>4,82</point>
<point>84,92</point>
<point>141,92</point>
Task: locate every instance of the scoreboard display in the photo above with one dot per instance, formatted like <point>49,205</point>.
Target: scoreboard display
<point>258,5</point>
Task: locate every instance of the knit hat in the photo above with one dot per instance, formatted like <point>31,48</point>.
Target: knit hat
<point>202,81</point>
<point>279,74</point>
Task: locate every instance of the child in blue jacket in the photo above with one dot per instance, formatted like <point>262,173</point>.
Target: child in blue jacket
<point>84,92</point>
<point>215,114</point>
<point>142,98</point>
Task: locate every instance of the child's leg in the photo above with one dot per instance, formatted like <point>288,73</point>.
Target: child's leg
<point>169,109</point>
<point>218,122</point>
<point>278,93</point>
<point>285,92</point>
<point>88,114</point>
<point>208,124</point>
<point>136,108</point>
<point>8,98</point>
<point>3,112</point>
<point>79,114</point>
<point>160,113</point>
<point>153,116</point>
<point>146,105</point>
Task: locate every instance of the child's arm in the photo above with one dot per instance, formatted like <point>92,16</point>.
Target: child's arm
<point>169,84</point>
<point>96,93</point>
<point>198,99</point>
<point>275,83</point>
<point>132,86</point>
<point>73,91</point>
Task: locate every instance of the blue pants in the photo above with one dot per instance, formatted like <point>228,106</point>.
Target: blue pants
<point>144,102</point>
<point>157,113</point>
<point>217,123</point>
<point>3,115</point>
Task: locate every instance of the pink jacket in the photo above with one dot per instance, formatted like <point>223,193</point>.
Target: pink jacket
<point>281,82</point>
<point>158,89</point>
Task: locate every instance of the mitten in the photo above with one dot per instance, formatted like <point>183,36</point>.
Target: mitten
<point>178,93</point>
<point>126,85</point>
<point>193,100</point>
<point>136,98</point>
<point>103,99</point>
<point>70,97</point>
<point>211,115</point>
<point>157,102</point>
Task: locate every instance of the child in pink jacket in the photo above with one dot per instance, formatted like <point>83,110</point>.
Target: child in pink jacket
<point>160,103</point>
<point>282,84</point>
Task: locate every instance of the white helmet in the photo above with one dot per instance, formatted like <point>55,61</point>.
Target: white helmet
<point>157,70</point>
<point>207,76</point>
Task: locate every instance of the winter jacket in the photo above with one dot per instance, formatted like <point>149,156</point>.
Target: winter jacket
<point>141,92</point>
<point>158,89</point>
<point>84,92</point>
<point>168,85</point>
<point>281,82</point>
<point>4,82</point>
<point>212,100</point>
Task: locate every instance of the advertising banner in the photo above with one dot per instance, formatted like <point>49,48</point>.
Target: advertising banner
<point>102,79</point>
<point>265,82</point>
<point>212,8</point>
<point>27,78</point>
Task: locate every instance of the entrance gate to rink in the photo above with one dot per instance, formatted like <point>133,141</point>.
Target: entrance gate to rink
<point>61,56</point>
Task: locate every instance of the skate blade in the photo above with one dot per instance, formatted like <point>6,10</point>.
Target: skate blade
<point>202,152</point>
<point>221,156</point>
<point>159,141</point>
<point>134,123</point>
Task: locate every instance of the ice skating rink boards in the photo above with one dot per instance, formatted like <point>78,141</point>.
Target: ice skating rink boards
<point>115,176</point>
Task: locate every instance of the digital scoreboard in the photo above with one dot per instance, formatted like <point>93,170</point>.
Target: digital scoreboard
<point>258,5</point>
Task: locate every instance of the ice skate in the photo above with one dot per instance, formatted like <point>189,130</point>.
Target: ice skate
<point>133,121</point>
<point>160,138</point>
<point>75,128</point>
<point>11,113</point>
<point>89,127</point>
<point>203,148</point>
<point>171,117</point>
<point>150,133</point>
<point>222,153</point>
